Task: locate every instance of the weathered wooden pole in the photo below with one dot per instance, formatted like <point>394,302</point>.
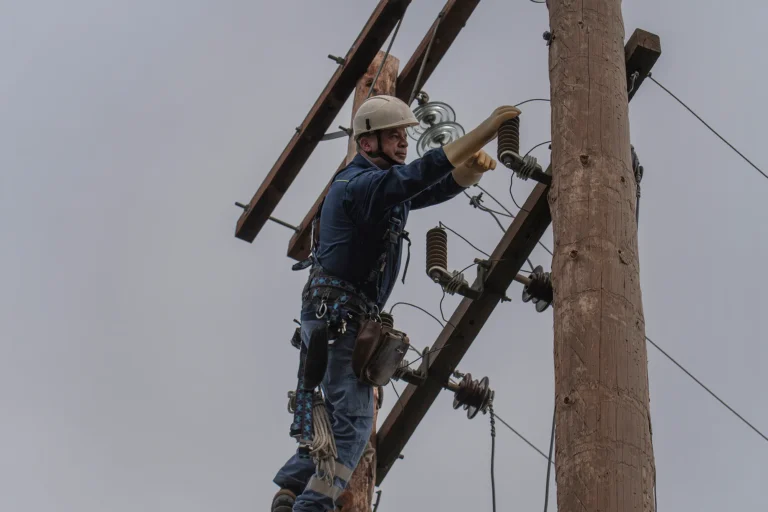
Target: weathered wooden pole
<point>604,454</point>
<point>358,496</point>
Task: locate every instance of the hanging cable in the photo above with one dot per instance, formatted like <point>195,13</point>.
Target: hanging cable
<point>460,272</point>
<point>512,177</point>
<point>549,459</point>
<point>533,99</point>
<point>518,434</point>
<point>493,457</point>
<point>470,243</point>
<point>537,146</point>
<point>707,389</point>
<point>416,307</point>
<point>707,125</point>
<point>511,181</point>
<point>402,407</point>
<point>498,222</point>
<point>386,55</point>
<point>477,202</point>
<point>638,171</point>
<point>496,200</point>
<point>695,379</point>
<point>417,84</point>
<point>429,352</point>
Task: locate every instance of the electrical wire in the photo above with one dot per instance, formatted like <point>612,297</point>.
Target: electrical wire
<point>503,229</point>
<point>532,99</point>
<point>443,298</point>
<point>416,307</point>
<point>402,407</point>
<point>386,55</point>
<point>512,195</point>
<point>549,459</point>
<point>512,178</point>
<point>496,200</point>
<point>521,436</point>
<point>536,146</point>
<point>424,60</point>
<point>707,389</point>
<point>470,243</point>
<point>493,457</point>
<point>707,125</point>
<point>498,222</point>
<point>695,379</point>
<point>476,201</point>
<point>429,352</point>
<point>441,305</point>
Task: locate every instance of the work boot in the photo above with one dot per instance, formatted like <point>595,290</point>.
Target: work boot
<point>283,501</point>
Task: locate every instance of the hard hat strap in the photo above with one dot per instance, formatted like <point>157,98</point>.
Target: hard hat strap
<point>379,153</point>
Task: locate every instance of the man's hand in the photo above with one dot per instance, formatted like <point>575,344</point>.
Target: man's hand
<point>470,172</point>
<point>499,116</point>
<point>480,162</point>
<point>465,147</point>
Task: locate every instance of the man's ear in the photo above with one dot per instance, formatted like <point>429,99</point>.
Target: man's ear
<point>364,143</point>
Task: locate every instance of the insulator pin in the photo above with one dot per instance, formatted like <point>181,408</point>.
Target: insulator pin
<point>473,395</point>
<point>539,289</point>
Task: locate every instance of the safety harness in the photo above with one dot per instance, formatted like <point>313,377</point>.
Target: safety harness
<point>392,237</point>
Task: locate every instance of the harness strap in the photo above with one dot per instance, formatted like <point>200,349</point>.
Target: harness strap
<point>321,283</point>
<point>323,487</point>
<point>392,237</point>
<point>342,471</point>
<point>408,259</point>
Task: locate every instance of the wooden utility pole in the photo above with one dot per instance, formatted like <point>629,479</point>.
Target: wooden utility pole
<point>604,454</point>
<point>359,494</point>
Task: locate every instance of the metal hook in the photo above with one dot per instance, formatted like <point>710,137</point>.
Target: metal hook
<point>321,310</point>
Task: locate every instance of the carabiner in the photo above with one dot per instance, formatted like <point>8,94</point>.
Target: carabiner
<point>321,310</point>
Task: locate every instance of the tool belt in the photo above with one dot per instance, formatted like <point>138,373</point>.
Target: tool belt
<point>379,349</point>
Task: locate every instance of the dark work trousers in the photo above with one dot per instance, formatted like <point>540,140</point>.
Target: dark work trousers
<point>350,407</point>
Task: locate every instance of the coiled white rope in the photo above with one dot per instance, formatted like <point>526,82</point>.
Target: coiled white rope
<point>323,448</point>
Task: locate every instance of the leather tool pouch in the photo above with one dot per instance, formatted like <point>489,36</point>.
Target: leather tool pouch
<point>378,352</point>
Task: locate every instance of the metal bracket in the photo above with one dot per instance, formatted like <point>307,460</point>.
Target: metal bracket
<point>456,284</point>
<point>343,132</point>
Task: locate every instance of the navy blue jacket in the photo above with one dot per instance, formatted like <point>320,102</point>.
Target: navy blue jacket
<point>363,203</point>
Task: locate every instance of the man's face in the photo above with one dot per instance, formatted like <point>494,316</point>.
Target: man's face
<point>394,143</point>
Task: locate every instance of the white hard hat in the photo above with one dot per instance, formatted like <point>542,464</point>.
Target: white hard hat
<point>382,112</point>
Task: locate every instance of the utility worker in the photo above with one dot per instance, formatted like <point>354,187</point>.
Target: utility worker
<point>357,244</point>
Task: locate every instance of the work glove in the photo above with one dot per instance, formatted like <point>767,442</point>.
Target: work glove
<point>464,147</point>
<point>470,172</point>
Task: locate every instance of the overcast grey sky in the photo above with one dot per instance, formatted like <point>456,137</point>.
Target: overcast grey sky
<point>144,359</point>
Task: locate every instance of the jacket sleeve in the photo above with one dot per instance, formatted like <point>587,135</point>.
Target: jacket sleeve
<point>376,192</point>
<point>440,192</point>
